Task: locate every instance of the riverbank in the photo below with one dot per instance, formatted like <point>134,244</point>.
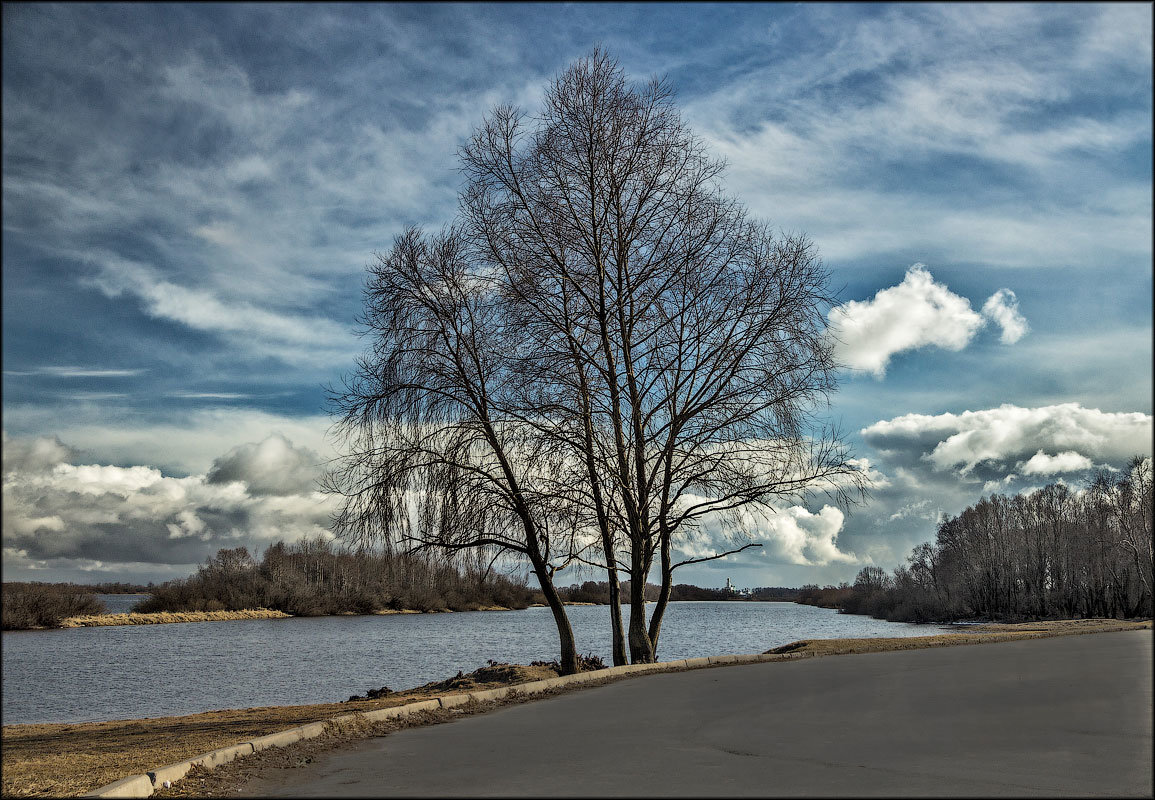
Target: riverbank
<point>71,759</point>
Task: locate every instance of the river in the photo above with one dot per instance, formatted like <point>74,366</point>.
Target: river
<point>133,671</point>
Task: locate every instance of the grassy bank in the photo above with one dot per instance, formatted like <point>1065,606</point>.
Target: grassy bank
<point>71,759</point>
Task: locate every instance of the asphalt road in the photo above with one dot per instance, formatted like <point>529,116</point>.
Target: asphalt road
<point>1068,715</point>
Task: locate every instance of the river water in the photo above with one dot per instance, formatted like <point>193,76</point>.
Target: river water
<point>121,603</point>
<point>133,671</point>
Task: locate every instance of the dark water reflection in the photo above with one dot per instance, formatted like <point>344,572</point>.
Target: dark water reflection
<point>126,672</point>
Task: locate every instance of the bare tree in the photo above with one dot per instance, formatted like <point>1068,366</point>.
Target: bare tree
<point>676,348</point>
<point>1045,553</point>
<point>434,458</point>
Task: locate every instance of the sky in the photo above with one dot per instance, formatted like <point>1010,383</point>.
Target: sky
<point>191,194</point>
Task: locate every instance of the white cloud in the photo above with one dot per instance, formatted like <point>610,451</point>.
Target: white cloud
<point>803,537</point>
<point>187,444</point>
<point>77,372</point>
<point>1043,464</point>
<point>34,454</point>
<point>211,395</point>
<point>65,513</point>
<point>946,84</point>
<point>287,335</point>
<point>1002,307</point>
<point>273,466</point>
<point>916,313</point>
<point>924,509</point>
<point>794,535</point>
<point>1008,435</point>
<point>875,478</point>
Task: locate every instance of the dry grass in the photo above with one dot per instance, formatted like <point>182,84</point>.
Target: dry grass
<point>71,759</point>
<point>972,634</point>
<point>162,617</point>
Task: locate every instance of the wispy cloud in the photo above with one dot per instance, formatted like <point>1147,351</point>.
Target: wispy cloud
<point>211,395</point>
<point>77,372</point>
<point>970,96</point>
<point>283,334</point>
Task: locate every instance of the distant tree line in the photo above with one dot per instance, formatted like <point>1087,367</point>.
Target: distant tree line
<point>1053,552</point>
<point>599,592</point>
<point>313,578</point>
<point>117,587</point>
<point>44,605</point>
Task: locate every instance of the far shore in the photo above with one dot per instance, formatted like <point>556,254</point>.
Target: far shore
<point>68,759</point>
<point>166,617</point>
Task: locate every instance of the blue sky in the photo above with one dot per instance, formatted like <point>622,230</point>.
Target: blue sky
<point>191,194</point>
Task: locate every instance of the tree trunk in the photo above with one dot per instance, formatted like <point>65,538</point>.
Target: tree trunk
<point>568,658</point>
<point>664,594</point>
<point>641,651</point>
<point>619,642</point>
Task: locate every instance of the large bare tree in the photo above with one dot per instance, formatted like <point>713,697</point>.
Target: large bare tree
<point>433,457</point>
<point>674,348</point>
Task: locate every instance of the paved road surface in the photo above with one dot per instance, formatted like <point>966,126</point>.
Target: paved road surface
<point>1062,716</point>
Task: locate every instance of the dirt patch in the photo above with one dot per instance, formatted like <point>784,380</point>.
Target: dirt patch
<point>968,634</point>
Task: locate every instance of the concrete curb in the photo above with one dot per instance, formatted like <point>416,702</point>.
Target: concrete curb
<point>287,737</point>
<point>174,772</point>
<point>145,785</point>
<point>132,786</point>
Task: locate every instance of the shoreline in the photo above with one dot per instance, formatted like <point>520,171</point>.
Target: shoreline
<point>173,617</point>
<point>53,759</point>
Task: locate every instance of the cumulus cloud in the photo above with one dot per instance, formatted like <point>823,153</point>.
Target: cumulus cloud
<point>60,513</point>
<point>187,445</point>
<point>1042,464</point>
<point>273,466</point>
<point>1000,438</point>
<point>916,313</point>
<point>34,454</point>
<point>1002,308</point>
<point>794,535</point>
<point>803,537</point>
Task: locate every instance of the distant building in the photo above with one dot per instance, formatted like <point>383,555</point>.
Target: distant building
<point>730,587</point>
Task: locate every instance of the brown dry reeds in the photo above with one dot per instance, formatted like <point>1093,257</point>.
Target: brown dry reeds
<point>162,617</point>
